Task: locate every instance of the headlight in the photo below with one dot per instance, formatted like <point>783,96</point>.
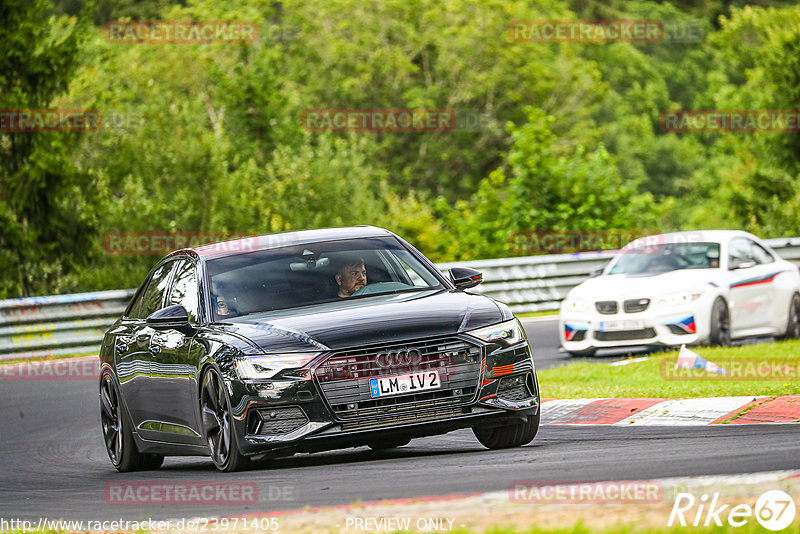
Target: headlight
<point>682,298</point>
<point>506,333</point>
<point>575,305</point>
<point>253,367</point>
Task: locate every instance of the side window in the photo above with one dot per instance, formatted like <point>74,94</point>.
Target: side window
<point>740,249</point>
<point>154,294</point>
<point>184,289</point>
<point>415,278</point>
<point>133,308</point>
<point>760,254</point>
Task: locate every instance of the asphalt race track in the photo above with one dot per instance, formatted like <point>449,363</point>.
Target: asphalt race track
<point>543,335</point>
<point>54,464</point>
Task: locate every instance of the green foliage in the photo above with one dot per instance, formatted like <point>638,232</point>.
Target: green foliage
<point>758,67</point>
<point>541,191</point>
<point>209,138</point>
<point>47,202</point>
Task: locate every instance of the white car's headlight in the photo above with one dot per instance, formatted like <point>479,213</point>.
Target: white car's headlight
<point>254,367</point>
<point>506,333</point>
<point>575,305</point>
<point>682,297</point>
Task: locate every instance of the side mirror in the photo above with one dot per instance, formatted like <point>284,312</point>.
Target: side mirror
<point>596,272</point>
<point>172,317</point>
<point>741,263</point>
<point>465,278</point>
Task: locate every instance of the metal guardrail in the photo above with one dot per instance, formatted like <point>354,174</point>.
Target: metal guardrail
<point>75,324</point>
<point>56,325</point>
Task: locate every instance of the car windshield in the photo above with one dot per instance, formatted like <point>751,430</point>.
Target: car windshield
<point>314,273</point>
<point>663,258</point>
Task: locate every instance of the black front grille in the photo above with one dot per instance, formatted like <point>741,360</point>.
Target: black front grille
<point>344,377</point>
<point>677,330</point>
<point>625,335</point>
<point>635,305</point>
<point>276,421</point>
<point>515,388</point>
<point>578,335</point>
<point>606,307</point>
<point>406,418</point>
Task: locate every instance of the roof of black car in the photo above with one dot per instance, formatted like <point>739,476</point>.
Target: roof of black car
<point>283,239</point>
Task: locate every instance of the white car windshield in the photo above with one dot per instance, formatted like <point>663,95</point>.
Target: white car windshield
<point>663,258</point>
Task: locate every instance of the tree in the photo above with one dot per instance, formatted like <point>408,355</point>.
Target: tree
<point>538,190</point>
<point>46,205</point>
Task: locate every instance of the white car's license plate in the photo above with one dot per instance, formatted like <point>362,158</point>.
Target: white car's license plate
<point>399,385</point>
<point>623,324</point>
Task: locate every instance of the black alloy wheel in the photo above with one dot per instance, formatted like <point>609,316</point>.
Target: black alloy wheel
<point>217,425</point>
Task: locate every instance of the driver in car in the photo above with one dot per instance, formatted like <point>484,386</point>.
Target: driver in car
<point>350,276</point>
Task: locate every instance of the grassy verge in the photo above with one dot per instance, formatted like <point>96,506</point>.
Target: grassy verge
<point>654,377</point>
<point>624,528</point>
<point>46,358</point>
<point>543,313</point>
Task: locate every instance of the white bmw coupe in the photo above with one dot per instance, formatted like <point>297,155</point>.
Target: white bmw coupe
<point>705,287</point>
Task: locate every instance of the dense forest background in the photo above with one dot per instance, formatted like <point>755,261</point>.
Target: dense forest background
<point>208,138</point>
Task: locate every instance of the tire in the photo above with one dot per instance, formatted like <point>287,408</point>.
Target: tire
<point>512,435</point>
<point>117,433</point>
<point>588,353</point>
<point>388,444</point>
<point>793,322</point>
<point>217,425</point>
<point>720,331</point>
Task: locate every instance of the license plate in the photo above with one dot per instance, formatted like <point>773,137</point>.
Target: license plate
<point>625,324</point>
<point>402,384</point>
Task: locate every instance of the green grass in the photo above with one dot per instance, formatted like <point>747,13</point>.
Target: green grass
<point>543,313</point>
<point>750,527</point>
<point>647,378</point>
<point>45,358</point>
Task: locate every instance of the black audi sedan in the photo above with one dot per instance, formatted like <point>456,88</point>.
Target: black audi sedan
<point>306,341</point>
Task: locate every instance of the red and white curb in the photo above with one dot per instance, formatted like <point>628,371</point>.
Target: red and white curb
<point>683,412</point>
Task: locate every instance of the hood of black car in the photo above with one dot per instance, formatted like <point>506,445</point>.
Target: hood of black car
<point>366,321</point>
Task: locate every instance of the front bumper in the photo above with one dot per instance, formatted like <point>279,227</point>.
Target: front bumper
<point>658,326</point>
<point>481,384</point>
